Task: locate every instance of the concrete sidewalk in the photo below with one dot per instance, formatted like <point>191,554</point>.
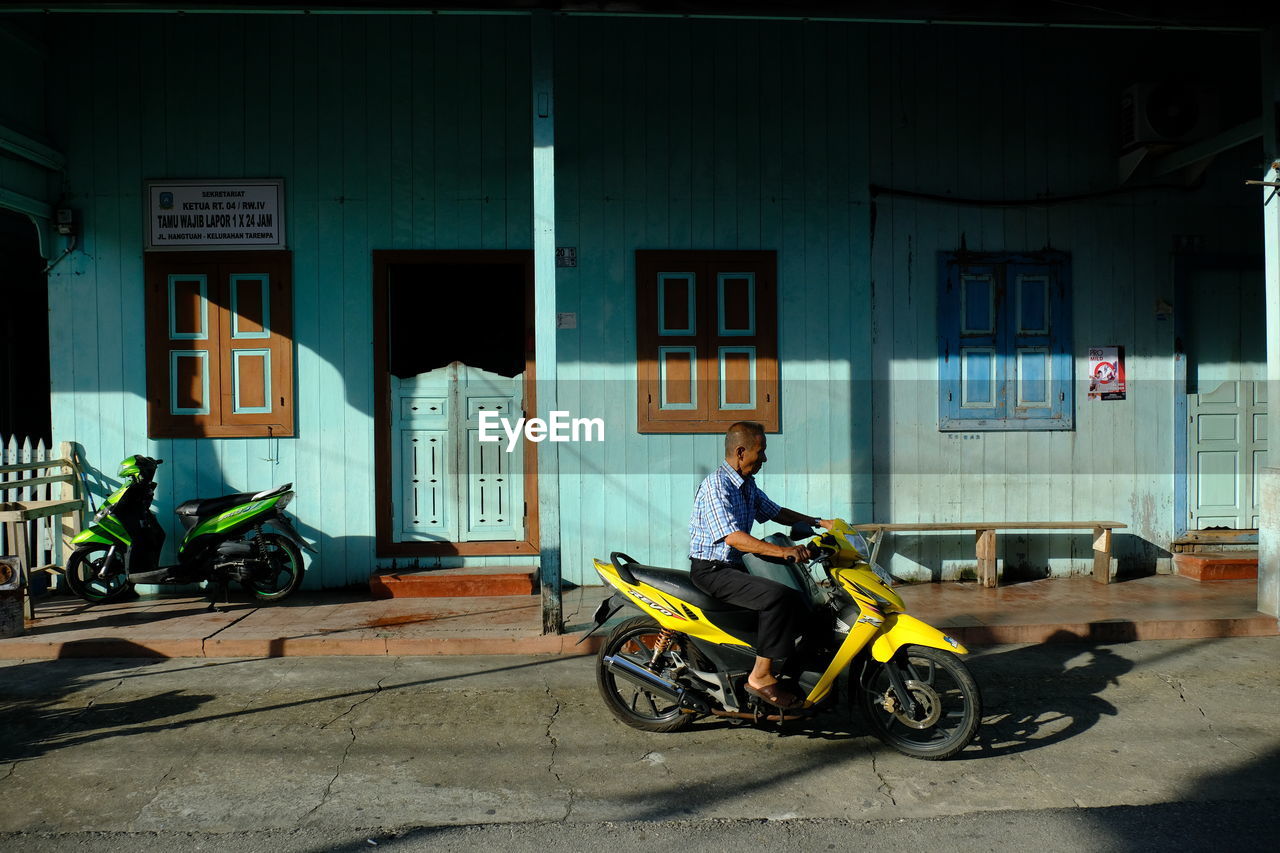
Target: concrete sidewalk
<point>1056,609</point>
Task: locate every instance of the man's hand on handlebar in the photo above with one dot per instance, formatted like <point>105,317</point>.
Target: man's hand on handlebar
<point>796,553</point>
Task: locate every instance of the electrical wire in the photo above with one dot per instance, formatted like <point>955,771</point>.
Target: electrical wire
<point>1042,201</point>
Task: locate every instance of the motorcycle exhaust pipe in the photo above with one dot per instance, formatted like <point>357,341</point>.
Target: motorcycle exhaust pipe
<point>642,677</point>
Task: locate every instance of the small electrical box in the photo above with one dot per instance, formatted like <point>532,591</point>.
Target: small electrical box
<point>66,220</point>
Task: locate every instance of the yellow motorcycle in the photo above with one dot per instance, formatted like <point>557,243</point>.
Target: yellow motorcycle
<point>688,655</point>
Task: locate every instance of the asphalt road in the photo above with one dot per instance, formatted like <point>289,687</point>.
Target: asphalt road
<point>1120,747</point>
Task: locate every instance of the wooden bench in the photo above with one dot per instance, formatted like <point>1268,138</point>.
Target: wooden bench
<point>985,540</point>
<point>27,483</point>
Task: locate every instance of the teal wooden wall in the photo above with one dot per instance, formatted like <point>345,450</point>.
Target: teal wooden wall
<point>23,64</point>
<point>710,135</point>
<point>413,133</point>
<point>23,61</point>
<point>994,115</point>
<point>390,133</point>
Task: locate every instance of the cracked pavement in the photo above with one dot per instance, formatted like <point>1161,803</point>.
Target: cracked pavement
<point>384,744</point>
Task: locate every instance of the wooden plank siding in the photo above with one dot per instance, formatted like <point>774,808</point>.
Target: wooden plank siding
<point>987,117</point>
<point>24,63</point>
<point>389,133</point>
<point>413,132</point>
<point>709,135</point>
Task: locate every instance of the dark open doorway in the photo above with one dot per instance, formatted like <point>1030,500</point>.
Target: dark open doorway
<point>446,312</point>
<point>24,332</point>
<point>453,339</point>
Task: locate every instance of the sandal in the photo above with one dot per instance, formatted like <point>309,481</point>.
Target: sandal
<point>774,695</point>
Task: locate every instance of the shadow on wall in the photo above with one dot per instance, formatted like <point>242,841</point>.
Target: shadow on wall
<point>1021,556</point>
<point>97,485</point>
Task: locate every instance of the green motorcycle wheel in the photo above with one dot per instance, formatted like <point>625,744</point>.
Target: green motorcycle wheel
<point>91,578</point>
<point>280,572</point>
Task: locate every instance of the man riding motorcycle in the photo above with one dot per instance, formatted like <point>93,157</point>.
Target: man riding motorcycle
<point>726,505</point>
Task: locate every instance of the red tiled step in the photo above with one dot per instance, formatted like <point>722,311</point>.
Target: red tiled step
<point>1217,565</point>
<point>452,583</point>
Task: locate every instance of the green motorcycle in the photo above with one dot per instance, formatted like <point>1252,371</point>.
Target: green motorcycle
<point>226,540</point>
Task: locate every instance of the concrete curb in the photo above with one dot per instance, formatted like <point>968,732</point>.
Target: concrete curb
<point>19,648</point>
<point>1110,631</point>
<point>1053,611</point>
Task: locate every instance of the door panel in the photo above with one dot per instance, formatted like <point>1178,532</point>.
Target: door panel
<point>1226,449</point>
<point>424,472</point>
<point>449,486</point>
<point>1226,403</point>
<point>494,478</point>
<point>427,513</point>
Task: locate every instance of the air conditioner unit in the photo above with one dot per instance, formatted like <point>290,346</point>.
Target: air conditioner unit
<point>1166,114</point>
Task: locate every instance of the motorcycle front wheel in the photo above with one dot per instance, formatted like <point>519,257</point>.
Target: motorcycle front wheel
<point>635,640</point>
<point>948,707</point>
<point>281,570</point>
<point>89,576</point>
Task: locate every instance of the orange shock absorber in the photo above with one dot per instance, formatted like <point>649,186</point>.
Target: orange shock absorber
<point>659,648</point>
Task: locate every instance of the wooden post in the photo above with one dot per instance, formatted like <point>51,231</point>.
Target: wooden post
<point>24,566</point>
<point>986,547</point>
<point>1269,523</point>
<point>1102,554</point>
<point>71,523</point>
<point>542,47</point>
<point>876,538</point>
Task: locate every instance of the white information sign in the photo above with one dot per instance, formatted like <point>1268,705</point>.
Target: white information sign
<point>215,214</point>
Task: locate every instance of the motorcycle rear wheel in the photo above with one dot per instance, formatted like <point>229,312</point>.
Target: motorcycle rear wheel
<point>948,704</point>
<point>283,574</point>
<point>84,579</point>
<point>635,640</point>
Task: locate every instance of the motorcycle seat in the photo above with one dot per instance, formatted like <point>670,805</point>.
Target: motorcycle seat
<point>201,508</point>
<point>680,585</point>
<point>193,511</point>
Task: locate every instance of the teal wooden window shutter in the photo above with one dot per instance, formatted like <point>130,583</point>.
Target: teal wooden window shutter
<point>1004,337</point>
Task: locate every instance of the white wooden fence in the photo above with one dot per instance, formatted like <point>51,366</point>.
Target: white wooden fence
<point>44,535</point>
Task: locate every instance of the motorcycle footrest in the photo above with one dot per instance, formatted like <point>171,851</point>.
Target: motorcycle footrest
<point>159,576</point>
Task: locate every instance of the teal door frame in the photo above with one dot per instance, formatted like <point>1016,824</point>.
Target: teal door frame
<point>542,52</point>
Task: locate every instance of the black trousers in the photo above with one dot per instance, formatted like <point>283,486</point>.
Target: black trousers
<point>779,607</point>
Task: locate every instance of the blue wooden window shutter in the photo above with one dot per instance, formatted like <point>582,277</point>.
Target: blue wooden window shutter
<point>1004,341</point>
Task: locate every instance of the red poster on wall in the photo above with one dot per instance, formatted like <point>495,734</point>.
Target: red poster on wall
<point>1106,373</point>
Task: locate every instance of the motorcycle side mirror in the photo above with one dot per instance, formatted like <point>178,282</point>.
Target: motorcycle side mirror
<point>799,531</point>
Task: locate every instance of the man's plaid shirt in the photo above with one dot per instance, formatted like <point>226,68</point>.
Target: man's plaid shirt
<point>725,502</point>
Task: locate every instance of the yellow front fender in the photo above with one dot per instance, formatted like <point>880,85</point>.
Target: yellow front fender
<point>903,630</point>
